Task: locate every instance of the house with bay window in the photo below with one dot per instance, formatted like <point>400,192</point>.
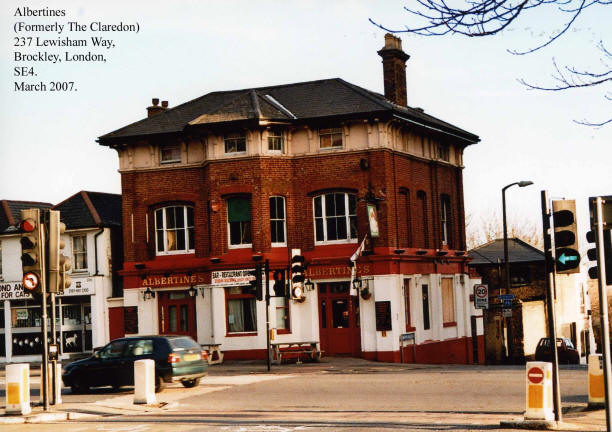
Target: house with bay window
<point>230,179</point>
<point>93,242</point>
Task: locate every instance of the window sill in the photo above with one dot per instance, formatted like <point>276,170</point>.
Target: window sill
<point>240,334</point>
<point>170,162</point>
<point>335,242</point>
<point>450,324</point>
<point>178,252</point>
<point>240,246</point>
<point>331,148</point>
<point>278,245</point>
<point>410,329</point>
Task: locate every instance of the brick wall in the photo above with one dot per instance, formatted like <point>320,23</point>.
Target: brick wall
<point>394,178</point>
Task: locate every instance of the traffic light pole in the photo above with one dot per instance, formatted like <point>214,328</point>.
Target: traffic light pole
<point>54,376</point>
<point>267,294</point>
<point>603,307</point>
<point>550,305</point>
<point>45,353</point>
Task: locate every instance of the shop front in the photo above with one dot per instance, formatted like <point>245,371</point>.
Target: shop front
<point>21,321</point>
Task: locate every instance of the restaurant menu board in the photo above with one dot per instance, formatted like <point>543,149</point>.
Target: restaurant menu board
<point>383,315</point>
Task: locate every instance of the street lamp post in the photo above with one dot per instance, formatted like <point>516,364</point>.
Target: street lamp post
<point>506,262</point>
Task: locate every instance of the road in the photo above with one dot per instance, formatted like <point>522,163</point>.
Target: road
<point>336,394</point>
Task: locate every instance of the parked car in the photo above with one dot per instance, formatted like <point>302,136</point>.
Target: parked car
<point>567,353</point>
<point>177,358</point>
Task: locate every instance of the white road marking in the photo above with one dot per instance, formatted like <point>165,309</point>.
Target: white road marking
<point>125,428</point>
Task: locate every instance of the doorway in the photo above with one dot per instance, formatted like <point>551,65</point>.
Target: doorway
<point>177,313</point>
<point>339,326</point>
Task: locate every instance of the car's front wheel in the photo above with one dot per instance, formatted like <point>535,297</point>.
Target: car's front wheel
<point>189,383</point>
<point>159,383</point>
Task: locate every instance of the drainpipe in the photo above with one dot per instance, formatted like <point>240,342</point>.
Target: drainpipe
<point>96,249</point>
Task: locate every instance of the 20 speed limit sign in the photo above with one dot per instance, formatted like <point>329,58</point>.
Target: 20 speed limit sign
<point>481,296</point>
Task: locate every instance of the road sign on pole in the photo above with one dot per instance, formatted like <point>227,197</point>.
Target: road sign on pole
<point>481,296</point>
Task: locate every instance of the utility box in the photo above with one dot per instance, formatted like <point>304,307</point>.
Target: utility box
<point>596,381</point>
<point>18,389</point>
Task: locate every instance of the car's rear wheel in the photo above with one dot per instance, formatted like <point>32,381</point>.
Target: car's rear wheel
<point>189,383</point>
<point>159,384</point>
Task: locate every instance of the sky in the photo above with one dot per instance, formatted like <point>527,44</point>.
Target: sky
<point>187,48</point>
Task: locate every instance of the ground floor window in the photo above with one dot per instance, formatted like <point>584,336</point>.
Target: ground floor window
<point>448,302</point>
<point>282,315</point>
<point>241,310</point>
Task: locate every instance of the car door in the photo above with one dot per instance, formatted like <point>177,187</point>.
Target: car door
<point>109,362</point>
<point>137,349</point>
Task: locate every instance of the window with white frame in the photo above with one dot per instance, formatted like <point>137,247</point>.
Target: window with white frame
<point>445,219</point>
<point>239,222</point>
<point>235,142</point>
<point>174,230</point>
<point>79,252</point>
<point>335,218</point>
<point>448,302</point>
<point>170,154</point>
<point>277,221</point>
<point>282,315</point>
<point>330,138</point>
<point>241,309</point>
<point>275,140</point>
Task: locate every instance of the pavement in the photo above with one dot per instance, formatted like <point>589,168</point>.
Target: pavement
<point>575,417</point>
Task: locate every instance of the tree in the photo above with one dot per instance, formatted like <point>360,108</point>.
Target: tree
<point>489,227</point>
<point>479,18</point>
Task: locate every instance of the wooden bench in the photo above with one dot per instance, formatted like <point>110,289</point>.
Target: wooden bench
<point>299,350</point>
<point>215,355</point>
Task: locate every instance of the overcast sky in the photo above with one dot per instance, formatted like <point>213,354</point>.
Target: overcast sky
<point>185,49</point>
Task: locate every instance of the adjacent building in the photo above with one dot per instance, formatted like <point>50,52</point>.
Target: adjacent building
<point>93,240</point>
<point>232,178</point>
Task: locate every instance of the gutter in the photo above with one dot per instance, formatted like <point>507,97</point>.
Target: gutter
<point>471,141</point>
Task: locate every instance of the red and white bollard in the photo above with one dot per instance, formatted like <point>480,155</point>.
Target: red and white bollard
<point>18,389</point>
<point>539,404</point>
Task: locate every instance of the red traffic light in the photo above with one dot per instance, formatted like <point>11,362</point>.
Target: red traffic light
<point>27,225</point>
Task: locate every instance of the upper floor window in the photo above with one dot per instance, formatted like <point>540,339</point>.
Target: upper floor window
<point>79,252</point>
<point>275,140</point>
<point>335,217</point>
<point>239,222</point>
<point>277,220</point>
<point>445,218</point>
<point>171,154</point>
<point>330,138</point>
<point>235,143</point>
<point>174,230</point>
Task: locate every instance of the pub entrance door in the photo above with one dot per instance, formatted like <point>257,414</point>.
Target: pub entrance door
<point>339,327</point>
<point>177,313</point>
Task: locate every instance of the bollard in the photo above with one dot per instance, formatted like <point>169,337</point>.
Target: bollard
<point>18,389</point>
<point>539,392</point>
<point>596,381</point>
<point>58,383</point>
<point>144,382</point>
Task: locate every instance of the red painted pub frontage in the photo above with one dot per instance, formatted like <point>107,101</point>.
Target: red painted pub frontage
<point>231,179</point>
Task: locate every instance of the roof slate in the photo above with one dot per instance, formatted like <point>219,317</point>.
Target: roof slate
<point>312,100</point>
<point>90,209</point>
<point>493,252</point>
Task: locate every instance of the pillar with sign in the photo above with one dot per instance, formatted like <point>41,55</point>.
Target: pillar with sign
<point>596,381</point>
<point>539,403</point>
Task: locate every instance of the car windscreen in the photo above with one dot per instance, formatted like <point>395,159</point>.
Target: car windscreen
<point>185,343</point>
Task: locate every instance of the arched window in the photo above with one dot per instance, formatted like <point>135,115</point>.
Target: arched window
<point>174,230</point>
<point>335,217</point>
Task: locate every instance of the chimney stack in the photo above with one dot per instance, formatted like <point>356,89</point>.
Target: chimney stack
<point>155,108</point>
<point>394,69</point>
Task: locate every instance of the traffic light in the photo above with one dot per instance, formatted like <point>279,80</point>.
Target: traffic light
<point>58,263</point>
<point>279,283</point>
<point>32,251</point>
<point>257,282</point>
<point>592,255</point>
<point>567,257</point>
<point>298,267</point>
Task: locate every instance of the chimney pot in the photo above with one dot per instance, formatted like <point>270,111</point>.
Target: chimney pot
<point>164,104</point>
<point>155,101</point>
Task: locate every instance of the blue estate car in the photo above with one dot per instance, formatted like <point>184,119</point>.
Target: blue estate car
<point>177,358</point>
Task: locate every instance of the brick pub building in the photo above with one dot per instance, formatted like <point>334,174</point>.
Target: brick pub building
<point>215,184</point>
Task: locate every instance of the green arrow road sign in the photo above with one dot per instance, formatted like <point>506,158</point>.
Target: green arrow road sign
<point>567,260</point>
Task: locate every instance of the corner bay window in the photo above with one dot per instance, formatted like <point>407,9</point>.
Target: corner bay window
<point>170,154</point>
<point>235,143</point>
<point>330,138</point>
<point>335,217</point>
<point>239,221</point>
<point>174,230</point>
<point>277,220</point>
<point>241,310</point>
